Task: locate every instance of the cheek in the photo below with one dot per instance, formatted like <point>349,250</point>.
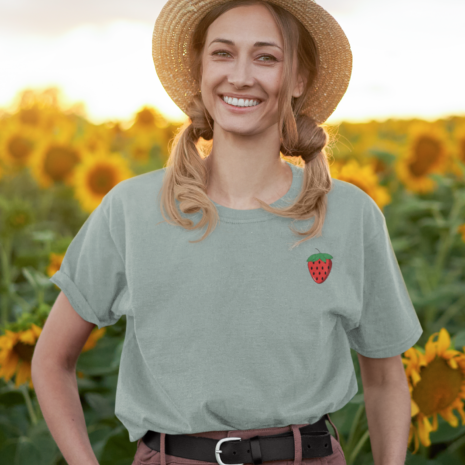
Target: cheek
<point>269,79</point>
<point>275,84</point>
<point>211,81</point>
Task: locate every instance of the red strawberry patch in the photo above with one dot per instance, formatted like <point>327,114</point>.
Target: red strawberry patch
<point>319,265</point>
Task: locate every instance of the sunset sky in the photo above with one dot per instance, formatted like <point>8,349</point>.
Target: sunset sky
<point>408,56</point>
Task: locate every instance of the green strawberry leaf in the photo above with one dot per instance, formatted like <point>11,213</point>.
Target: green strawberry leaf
<point>319,256</point>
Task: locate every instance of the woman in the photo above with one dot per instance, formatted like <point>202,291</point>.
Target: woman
<point>238,344</point>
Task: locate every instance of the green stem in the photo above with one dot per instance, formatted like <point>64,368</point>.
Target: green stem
<point>353,451</point>
<point>355,423</point>
<point>358,447</point>
<point>450,313</point>
<point>25,391</point>
<point>420,273</point>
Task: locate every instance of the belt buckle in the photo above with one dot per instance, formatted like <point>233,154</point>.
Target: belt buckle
<point>218,451</point>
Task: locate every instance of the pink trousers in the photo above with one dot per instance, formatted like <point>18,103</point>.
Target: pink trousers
<point>146,456</point>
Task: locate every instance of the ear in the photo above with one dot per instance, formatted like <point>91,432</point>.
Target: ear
<point>299,87</point>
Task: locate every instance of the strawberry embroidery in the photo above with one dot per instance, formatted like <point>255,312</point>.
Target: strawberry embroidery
<point>319,265</point>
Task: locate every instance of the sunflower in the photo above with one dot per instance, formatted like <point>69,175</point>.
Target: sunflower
<point>426,151</point>
<point>17,144</point>
<point>364,177</point>
<point>152,126</point>
<point>56,156</point>
<point>147,119</point>
<point>16,349</point>
<point>17,214</point>
<point>97,175</point>
<point>436,380</point>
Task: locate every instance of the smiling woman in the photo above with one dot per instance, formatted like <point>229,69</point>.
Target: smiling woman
<point>255,67</point>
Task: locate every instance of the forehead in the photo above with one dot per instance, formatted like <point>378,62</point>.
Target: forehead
<point>245,24</point>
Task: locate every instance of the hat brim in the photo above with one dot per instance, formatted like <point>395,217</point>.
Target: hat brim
<point>179,18</point>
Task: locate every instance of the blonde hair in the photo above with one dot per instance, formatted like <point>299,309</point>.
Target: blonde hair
<point>186,176</point>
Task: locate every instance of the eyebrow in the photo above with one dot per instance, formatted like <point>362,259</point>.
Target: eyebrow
<point>256,44</point>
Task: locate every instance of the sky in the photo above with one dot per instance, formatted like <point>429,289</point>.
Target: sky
<point>407,56</point>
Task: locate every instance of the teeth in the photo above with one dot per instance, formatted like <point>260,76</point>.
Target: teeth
<point>240,102</point>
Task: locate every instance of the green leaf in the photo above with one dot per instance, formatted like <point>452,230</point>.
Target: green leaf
<point>319,256</point>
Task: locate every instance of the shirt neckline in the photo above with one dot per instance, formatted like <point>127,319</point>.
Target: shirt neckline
<point>232,215</point>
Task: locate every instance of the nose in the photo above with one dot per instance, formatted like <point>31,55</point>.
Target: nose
<point>241,74</point>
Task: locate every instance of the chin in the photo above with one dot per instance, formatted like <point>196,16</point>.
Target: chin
<point>240,130</point>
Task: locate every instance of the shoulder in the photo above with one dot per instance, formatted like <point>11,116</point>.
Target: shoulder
<point>356,208</point>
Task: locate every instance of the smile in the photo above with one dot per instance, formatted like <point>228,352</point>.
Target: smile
<point>237,109</point>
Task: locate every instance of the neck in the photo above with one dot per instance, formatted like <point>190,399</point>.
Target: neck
<point>243,167</point>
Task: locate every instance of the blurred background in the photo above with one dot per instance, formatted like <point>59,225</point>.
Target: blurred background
<point>82,109</point>
<point>406,56</point>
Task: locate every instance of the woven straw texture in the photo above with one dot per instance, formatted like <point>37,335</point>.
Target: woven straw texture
<point>178,19</point>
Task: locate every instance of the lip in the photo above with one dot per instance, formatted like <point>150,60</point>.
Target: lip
<point>238,109</point>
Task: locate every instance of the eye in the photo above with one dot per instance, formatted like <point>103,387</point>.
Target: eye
<point>219,51</point>
<point>268,56</point>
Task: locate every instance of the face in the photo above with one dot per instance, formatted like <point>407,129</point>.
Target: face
<point>235,64</point>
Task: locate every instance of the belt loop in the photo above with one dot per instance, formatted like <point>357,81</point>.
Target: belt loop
<point>334,427</point>
<point>297,445</point>
<point>162,448</point>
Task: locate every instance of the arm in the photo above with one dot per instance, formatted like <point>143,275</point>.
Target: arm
<point>387,401</point>
<point>53,371</point>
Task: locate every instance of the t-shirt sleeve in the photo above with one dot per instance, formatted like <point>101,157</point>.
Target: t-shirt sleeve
<point>92,273</point>
<point>389,324</point>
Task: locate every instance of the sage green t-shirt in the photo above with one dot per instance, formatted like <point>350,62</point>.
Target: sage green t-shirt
<point>237,331</point>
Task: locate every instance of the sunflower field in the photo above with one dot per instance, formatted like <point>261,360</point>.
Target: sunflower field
<point>55,168</point>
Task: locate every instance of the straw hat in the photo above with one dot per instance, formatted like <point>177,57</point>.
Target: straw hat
<point>178,19</point>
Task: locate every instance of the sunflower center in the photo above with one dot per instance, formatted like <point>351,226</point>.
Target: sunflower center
<point>145,118</point>
<point>101,180</point>
<point>60,161</point>
<point>29,116</point>
<point>439,386</point>
<point>426,151</point>
<point>24,351</point>
<point>19,148</point>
